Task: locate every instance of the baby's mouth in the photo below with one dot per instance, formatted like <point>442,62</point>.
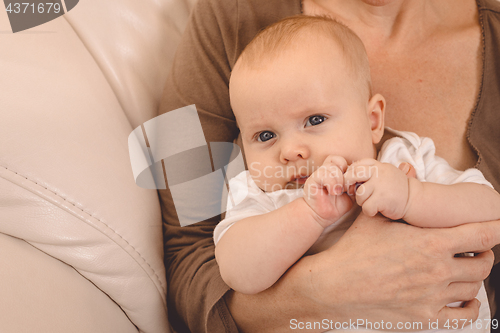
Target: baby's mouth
<point>299,180</point>
<point>296,182</point>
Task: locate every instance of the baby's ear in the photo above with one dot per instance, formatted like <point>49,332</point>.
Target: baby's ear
<point>376,112</point>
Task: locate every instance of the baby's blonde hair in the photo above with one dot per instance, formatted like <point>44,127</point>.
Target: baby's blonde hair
<point>278,37</point>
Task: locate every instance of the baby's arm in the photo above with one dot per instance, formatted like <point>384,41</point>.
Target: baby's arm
<point>387,190</point>
<point>438,205</point>
<point>255,252</point>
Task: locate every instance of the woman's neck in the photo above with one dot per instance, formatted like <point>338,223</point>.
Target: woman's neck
<point>382,21</point>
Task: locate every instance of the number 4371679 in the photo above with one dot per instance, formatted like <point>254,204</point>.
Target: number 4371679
<point>40,8</point>
<point>479,324</point>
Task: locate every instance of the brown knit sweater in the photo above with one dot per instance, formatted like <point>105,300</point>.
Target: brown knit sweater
<point>215,36</point>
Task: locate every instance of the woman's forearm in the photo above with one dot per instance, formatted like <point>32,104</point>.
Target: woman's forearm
<point>256,251</point>
<point>379,270</point>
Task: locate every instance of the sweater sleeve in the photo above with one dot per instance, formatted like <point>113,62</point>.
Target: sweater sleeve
<point>216,33</point>
<point>200,76</point>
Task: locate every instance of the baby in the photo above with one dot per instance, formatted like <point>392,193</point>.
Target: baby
<point>310,126</point>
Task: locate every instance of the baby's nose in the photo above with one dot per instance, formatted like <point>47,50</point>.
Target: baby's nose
<point>291,152</point>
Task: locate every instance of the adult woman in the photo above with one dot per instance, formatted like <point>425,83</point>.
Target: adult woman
<point>428,59</point>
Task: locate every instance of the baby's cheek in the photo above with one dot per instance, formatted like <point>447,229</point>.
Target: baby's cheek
<point>269,184</point>
<point>255,170</point>
<point>259,182</point>
<point>268,178</point>
<point>258,176</point>
<point>266,184</point>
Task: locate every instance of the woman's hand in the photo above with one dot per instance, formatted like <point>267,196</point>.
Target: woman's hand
<point>379,270</point>
<point>401,273</point>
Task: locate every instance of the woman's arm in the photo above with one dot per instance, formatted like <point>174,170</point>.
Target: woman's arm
<point>379,270</point>
<point>199,76</point>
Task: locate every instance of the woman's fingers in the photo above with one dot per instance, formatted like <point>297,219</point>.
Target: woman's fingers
<point>469,269</point>
<point>425,276</point>
<point>473,237</point>
<point>460,317</point>
<point>462,291</point>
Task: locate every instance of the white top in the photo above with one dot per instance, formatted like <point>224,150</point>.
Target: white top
<point>405,147</point>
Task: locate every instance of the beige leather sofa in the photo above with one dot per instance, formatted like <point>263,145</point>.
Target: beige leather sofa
<point>80,243</point>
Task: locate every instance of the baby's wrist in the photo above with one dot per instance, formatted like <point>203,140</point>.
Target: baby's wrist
<point>313,215</point>
<point>414,188</point>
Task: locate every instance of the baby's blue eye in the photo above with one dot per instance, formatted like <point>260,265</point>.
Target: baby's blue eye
<point>266,135</point>
<point>315,120</point>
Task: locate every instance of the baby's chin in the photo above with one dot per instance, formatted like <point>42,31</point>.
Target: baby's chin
<point>294,185</point>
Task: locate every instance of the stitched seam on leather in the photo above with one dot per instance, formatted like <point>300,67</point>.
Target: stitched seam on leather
<point>76,270</point>
<point>135,250</point>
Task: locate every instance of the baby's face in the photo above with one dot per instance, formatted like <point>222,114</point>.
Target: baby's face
<point>297,110</point>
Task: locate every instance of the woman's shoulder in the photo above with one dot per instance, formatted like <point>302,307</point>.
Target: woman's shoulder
<point>255,15</point>
<point>242,10</point>
<point>490,5</point>
<point>489,13</point>
<point>238,21</point>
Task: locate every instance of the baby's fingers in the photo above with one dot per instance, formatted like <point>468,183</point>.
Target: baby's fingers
<point>370,206</point>
<point>326,178</point>
<point>363,193</point>
<point>360,173</point>
<point>337,161</point>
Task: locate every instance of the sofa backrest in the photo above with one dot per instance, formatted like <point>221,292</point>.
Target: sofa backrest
<point>72,90</point>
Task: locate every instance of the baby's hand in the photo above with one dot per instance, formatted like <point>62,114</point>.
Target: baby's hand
<point>324,191</point>
<point>384,188</point>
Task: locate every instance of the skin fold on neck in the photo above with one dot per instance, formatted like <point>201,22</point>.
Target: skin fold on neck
<point>395,21</point>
